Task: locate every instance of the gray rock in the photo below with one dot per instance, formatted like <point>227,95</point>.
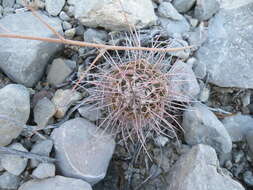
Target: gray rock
<point>12,163</point>
<point>64,16</point>
<point>44,170</point>
<point>202,126</point>
<point>9,181</point>
<point>183,5</point>
<point>66,25</point>
<point>184,85</point>
<point>95,36</point>
<point>8,10</point>
<point>63,99</point>
<point>227,54</point>
<point>248,178</point>
<point>1,11</point>
<point>14,112</point>
<point>173,27</point>
<point>92,153</point>
<point>205,9</point>
<point>197,169</point>
<point>24,61</point>
<point>70,33</point>
<point>177,43</point>
<point>238,126</point>
<point>56,183</point>
<point>42,148</point>
<point>43,111</point>
<point>60,70</point>
<point>249,138</point>
<point>8,3</point>
<point>167,10</point>
<point>198,36</point>
<point>90,112</point>
<point>54,7</point>
<point>109,14</point>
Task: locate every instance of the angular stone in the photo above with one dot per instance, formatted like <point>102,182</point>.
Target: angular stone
<point>167,10</point>
<point>63,99</point>
<point>95,36</point>
<point>92,151</point>
<point>12,163</point>
<point>183,5</point>
<point>24,61</point>
<point>227,53</point>
<point>202,126</point>
<point>43,111</point>
<point>44,170</point>
<point>90,113</point>
<point>60,70</point>
<point>14,111</point>
<point>238,126</point>
<point>56,183</point>
<point>197,169</point>
<point>110,13</point>
<point>8,3</point>
<point>54,7</point>
<point>9,181</point>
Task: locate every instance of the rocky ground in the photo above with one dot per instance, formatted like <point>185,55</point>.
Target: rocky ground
<point>48,136</point>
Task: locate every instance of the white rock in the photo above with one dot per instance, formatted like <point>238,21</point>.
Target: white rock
<point>44,170</point>
<point>9,181</point>
<point>183,5</point>
<point>167,10</point>
<point>110,14</point>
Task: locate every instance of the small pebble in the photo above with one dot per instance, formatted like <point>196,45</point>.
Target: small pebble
<point>64,16</point>
<point>9,181</point>
<point>70,33</point>
<point>44,170</point>
<point>248,178</point>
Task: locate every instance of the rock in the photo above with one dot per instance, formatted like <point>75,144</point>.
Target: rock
<point>43,111</point>
<point>197,169</point>
<point>56,183</point>
<point>161,141</point>
<point>177,43</point>
<point>109,13</point>
<point>183,5</point>
<point>63,99</point>
<point>202,126</point>
<point>238,126</point>
<point>230,33</point>
<point>95,36</point>
<point>92,153</point>
<point>167,10</point>
<point>249,138</point>
<point>42,148</point>
<point>248,178</point>
<point>173,27</point>
<point>9,181</point>
<point>205,9</point>
<point>8,3</point>
<point>198,36</point>
<point>12,163</point>
<point>70,33</point>
<point>14,112</point>
<point>54,7</point>
<point>64,16</point>
<point>1,11</point>
<point>44,170</point>
<point>24,61</point>
<point>186,90</point>
<point>60,70</point>
<point>66,25</point>
<point>90,112</point>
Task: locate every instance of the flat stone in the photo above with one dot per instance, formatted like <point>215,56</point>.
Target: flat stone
<point>183,5</point>
<point>184,86</point>
<point>63,99</point>
<point>197,169</point>
<point>9,181</point>
<point>109,13</point>
<point>14,112</point>
<point>173,27</point>
<point>238,126</point>
<point>90,112</point>
<point>44,170</point>
<point>92,153</point>
<point>24,61</point>
<point>205,9</point>
<point>56,183</point>
<point>227,53</point>
<point>60,70</point>
<point>54,7</point>
<point>202,126</point>
<point>43,111</point>
<point>12,163</point>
